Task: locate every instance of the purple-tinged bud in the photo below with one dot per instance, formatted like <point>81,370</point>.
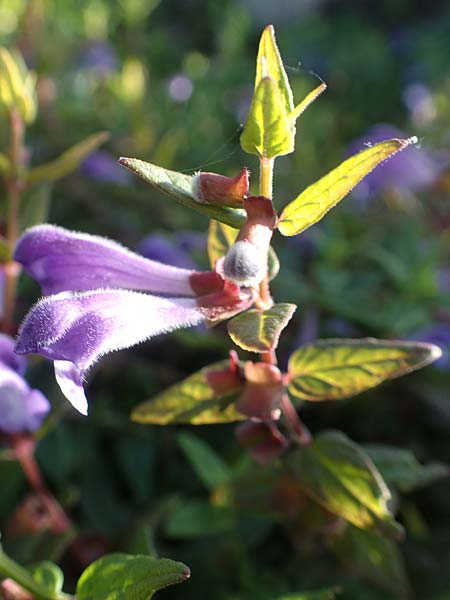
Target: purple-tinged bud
<point>245,264</point>
<point>225,381</point>
<point>264,441</point>
<point>212,188</point>
<point>263,391</point>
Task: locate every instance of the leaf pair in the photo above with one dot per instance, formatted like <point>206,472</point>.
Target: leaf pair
<point>270,127</point>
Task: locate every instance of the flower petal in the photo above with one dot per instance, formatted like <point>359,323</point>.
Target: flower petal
<point>21,408</point>
<point>8,357</point>
<point>81,327</point>
<point>60,259</point>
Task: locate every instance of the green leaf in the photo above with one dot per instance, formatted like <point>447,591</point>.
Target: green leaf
<point>68,161</point>
<point>317,199</point>
<point>269,64</point>
<point>48,575</point>
<point>220,239</point>
<point>126,577</point>
<point>334,369</point>
<point>268,132</point>
<point>197,519</point>
<point>180,187</point>
<point>324,594</point>
<point>207,464</point>
<point>401,469</point>
<point>190,401</point>
<point>374,558</point>
<point>259,331</point>
<point>339,475</point>
<point>35,204</point>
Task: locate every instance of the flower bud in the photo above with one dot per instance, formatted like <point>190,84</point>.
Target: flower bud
<point>244,264</point>
<point>263,390</point>
<point>263,440</point>
<point>212,188</point>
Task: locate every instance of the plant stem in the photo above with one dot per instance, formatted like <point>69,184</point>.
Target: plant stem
<point>265,189</point>
<point>23,448</point>
<point>20,575</point>
<point>14,188</point>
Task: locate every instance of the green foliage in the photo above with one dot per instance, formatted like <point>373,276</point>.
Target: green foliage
<point>340,476</point>
<point>17,85</point>
<point>191,401</point>
<point>401,470</point>
<point>210,468</point>
<point>197,518</point>
<point>69,160</point>
<point>335,369</point>
<point>317,199</point>
<point>181,187</point>
<point>125,577</point>
<point>373,557</point>
<point>259,331</point>
<point>48,575</point>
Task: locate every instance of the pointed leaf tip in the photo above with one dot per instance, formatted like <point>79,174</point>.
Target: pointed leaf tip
<point>320,197</point>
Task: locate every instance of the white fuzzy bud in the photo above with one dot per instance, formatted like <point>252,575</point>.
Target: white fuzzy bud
<point>244,264</point>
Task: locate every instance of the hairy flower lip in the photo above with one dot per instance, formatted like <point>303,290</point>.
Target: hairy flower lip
<point>85,317</point>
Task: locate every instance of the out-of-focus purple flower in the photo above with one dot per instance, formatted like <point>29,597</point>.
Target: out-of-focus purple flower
<point>180,88</point>
<point>420,103</point>
<point>100,57</point>
<point>101,166</point>
<point>158,247</point>
<point>443,279</point>
<point>412,170</point>
<point>438,334</point>
<point>21,408</point>
<point>97,305</point>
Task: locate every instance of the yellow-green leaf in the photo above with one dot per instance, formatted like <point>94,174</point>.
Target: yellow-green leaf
<point>220,238</point>
<point>339,368</point>
<point>259,331</point>
<point>17,85</point>
<point>375,558</point>
<point>68,161</point>
<point>317,199</point>
<point>181,187</point>
<point>338,474</point>
<point>5,165</point>
<point>309,99</point>
<point>268,131</point>
<point>269,64</point>
<point>128,577</point>
<point>190,401</point>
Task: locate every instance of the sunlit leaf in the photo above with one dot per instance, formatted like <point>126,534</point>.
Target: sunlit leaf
<point>374,558</point>
<point>268,132</point>
<point>339,368</point>
<point>220,238</point>
<point>339,475</point>
<point>17,85</point>
<point>269,64</point>
<point>309,99</point>
<point>198,518</point>
<point>190,401</point>
<point>259,331</point>
<point>210,468</point>
<point>317,199</point>
<point>126,577</point>
<point>400,468</point>
<point>69,160</point>
<point>180,187</point>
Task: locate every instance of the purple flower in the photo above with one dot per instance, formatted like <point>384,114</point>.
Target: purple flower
<point>103,167</point>
<point>95,302</point>
<point>412,170</point>
<point>100,57</point>
<point>21,408</point>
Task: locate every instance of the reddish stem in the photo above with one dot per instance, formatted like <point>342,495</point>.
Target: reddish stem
<point>23,447</point>
<point>301,433</point>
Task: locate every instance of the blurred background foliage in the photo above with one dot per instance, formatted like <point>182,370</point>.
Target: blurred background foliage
<point>171,81</point>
